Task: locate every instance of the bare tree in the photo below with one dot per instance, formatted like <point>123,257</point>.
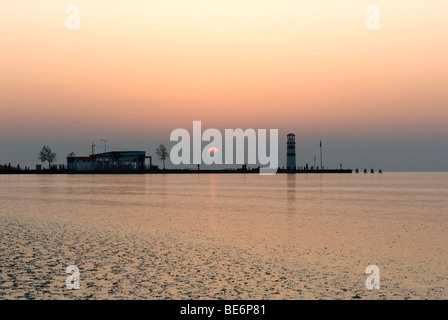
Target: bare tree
<point>162,153</point>
<point>46,154</point>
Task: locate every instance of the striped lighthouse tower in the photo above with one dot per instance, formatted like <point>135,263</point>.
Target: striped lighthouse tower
<point>291,152</point>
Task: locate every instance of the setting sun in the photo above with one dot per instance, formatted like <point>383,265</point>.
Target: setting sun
<point>212,150</point>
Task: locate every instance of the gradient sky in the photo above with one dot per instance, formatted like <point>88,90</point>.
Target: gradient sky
<point>136,70</point>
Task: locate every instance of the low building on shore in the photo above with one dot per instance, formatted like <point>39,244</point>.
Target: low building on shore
<point>114,161</point>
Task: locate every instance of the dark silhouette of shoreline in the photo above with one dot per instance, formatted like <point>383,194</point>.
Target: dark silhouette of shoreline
<point>173,171</point>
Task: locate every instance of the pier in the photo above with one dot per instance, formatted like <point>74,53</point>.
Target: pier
<point>176,171</point>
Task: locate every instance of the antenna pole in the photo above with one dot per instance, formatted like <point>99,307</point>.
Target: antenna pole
<point>105,144</point>
<point>321,167</point>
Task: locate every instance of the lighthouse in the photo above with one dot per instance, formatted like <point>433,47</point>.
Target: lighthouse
<point>291,152</point>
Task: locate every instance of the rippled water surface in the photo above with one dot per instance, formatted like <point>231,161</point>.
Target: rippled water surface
<point>232,236</point>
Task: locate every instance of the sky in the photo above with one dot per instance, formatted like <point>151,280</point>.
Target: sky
<point>136,70</point>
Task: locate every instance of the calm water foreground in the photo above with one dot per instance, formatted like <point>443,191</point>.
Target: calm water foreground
<point>224,236</point>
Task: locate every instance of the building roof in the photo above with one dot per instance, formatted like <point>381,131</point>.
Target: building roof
<point>120,154</point>
<point>82,158</point>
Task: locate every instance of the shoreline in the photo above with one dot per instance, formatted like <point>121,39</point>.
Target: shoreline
<point>176,171</point>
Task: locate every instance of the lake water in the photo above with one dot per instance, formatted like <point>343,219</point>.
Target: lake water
<point>231,236</point>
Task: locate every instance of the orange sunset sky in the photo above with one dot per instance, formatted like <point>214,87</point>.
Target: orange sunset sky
<point>136,70</point>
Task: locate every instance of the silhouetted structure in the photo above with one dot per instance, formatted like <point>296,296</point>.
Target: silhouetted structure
<point>114,161</point>
<point>291,152</point>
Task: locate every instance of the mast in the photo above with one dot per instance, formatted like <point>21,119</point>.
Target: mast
<point>322,168</point>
